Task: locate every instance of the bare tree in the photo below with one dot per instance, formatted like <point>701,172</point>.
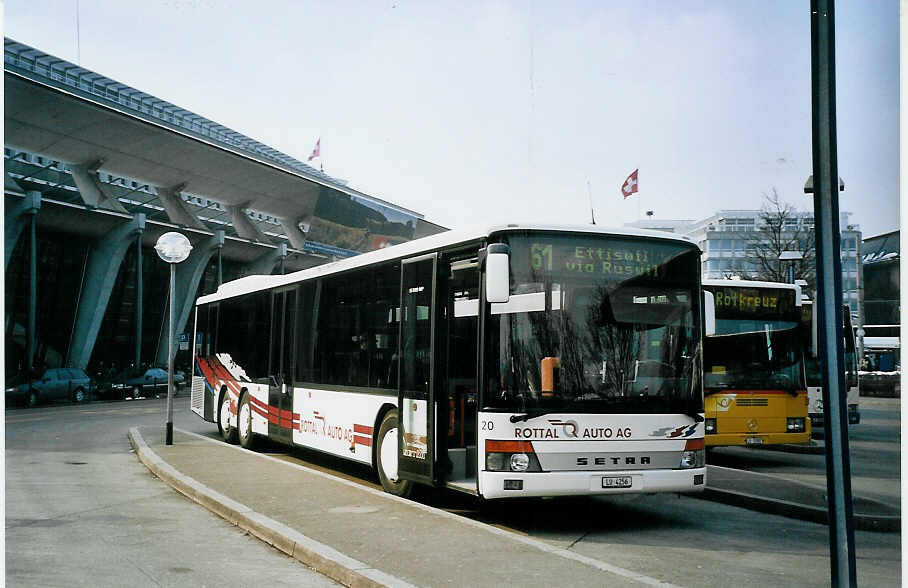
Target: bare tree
<point>781,229</point>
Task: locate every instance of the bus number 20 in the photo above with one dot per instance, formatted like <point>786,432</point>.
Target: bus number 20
<point>488,425</point>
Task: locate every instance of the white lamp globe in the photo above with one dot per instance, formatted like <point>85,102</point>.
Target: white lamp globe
<point>173,247</point>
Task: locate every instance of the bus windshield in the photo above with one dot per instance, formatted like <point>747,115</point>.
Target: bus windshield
<point>595,324</point>
<point>753,355</point>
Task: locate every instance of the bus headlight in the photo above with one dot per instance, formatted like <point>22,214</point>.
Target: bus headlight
<point>495,461</point>
<point>694,454</point>
<point>520,462</point>
<point>693,459</point>
<point>511,456</point>
<point>795,425</point>
<point>710,426</point>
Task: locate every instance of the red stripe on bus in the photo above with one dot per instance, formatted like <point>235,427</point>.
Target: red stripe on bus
<point>362,429</point>
<point>207,373</point>
<point>225,375</point>
<point>258,403</point>
<point>359,440</point>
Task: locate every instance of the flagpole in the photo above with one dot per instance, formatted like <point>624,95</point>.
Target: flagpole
<point>589,190</point>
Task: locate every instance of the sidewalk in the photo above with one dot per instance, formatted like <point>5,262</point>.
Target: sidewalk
<point>357,535</point>
<point>360,536</point>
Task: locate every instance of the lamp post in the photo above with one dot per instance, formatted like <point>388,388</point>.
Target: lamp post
<point>791,257</point>
<point>172,248</point>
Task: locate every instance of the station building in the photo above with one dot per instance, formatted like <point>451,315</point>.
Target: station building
<point>96,171</point>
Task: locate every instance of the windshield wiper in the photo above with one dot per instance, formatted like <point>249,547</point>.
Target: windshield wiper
<point>698,418</point>
<point>516,418</point>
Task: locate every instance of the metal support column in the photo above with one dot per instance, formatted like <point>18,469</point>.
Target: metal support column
<point>829,293</point>
<point>139,301</point>
<point>100,275</point>
<point>220,268</point>
<point>32,294</point>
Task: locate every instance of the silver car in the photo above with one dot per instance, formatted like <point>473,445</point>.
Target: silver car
<point>142,383</point>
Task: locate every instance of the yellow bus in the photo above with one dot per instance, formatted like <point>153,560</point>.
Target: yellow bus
<point>753,364</point>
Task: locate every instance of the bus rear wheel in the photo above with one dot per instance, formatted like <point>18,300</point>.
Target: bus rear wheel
<point>244,424</point>
<point>386,457</point>
<point>227,431</point>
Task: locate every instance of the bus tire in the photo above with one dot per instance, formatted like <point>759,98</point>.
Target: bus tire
<point>244,424</point>
<point>386,457</point>
<point>228,433</point>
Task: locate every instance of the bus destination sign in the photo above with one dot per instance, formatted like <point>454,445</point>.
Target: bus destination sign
<point>615,260</point>
<point>765,302</point>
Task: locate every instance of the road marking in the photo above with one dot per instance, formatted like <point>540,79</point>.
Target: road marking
<point>508,534</point>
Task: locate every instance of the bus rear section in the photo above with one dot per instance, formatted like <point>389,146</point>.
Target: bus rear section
<point>753,365</point>
<point>815,408</point>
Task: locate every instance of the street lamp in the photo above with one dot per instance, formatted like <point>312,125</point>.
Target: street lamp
<point>791,257</point>
<point>172,248</point>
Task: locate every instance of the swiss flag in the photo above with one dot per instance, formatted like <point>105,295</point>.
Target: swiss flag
<point>630,184</point>
<point>317,151</point>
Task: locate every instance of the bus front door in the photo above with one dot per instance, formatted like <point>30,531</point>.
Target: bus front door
<point>416,397</point>
<point>280,373</point>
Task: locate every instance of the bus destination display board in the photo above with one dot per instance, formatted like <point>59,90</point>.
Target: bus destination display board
<point>737,302</point>
<point>566,256</point>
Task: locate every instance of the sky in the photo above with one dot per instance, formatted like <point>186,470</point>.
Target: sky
<point>517,111</point>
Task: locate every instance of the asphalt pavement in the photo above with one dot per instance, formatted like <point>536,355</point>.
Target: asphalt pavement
<point>360,536</point>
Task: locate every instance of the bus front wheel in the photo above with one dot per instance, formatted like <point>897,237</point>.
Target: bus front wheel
<point>386,457</point>
<point>227,431</point>
<point>244,424</point>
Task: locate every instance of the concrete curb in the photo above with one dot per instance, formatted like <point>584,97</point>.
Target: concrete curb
<point>793,510</point>
<point>318,556</point>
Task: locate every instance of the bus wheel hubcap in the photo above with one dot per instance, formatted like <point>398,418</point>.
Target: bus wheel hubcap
<point>244,419</point>
<point>389,454</point>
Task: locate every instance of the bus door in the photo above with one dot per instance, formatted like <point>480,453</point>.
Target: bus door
<point>416,397</point>
<point>280,373</point>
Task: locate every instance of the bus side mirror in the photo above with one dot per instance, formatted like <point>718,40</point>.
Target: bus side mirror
<point>709,314</point>
<point>498,284</point>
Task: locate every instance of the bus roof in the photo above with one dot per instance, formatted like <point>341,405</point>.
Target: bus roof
<point>249,284</point>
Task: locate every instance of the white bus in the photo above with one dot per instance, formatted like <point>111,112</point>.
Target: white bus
<point>516,361</point>
<point>814,369</point>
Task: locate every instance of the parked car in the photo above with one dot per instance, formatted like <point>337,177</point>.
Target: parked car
<point>55,384</point>
<point>142,383</point>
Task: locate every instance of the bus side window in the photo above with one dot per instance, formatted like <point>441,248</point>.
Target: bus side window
<point>306,366</point>
<point>383,318</point>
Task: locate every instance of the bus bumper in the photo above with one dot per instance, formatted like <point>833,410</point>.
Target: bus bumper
<point>817,420</point>
<point>756,440</point>
<point>492,484</point>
